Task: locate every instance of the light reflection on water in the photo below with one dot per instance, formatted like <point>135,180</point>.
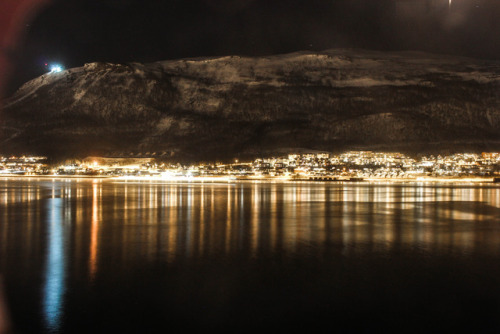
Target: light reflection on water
<point>55,271</point>
<point>183,220</point>
<point>80,225</point>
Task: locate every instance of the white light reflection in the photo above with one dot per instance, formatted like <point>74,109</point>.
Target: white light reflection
<point>55,270</point>
<point>255,219</point>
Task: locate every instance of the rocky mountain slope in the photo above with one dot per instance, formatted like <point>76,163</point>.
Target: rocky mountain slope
<point>217,108</point>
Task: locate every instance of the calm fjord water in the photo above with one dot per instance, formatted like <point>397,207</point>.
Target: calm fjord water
<point>92,256</point>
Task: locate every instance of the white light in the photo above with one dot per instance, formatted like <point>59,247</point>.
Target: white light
<point>55,68</point>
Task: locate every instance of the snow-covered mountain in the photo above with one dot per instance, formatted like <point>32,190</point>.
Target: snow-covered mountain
<point>213,108</point>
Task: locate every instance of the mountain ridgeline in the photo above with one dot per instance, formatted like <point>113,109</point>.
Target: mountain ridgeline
<point>220,108</point>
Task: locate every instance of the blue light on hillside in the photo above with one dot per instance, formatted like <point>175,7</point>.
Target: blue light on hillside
<point>55,68</point>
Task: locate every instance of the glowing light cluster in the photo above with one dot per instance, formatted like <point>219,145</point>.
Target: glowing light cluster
<point>55,68</point>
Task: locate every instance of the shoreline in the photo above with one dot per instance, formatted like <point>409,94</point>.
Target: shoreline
<point>326,179</point>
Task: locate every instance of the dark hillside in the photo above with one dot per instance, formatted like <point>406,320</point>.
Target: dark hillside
<point>197,109</point>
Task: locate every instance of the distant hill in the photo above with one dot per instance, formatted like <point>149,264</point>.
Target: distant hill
<point>217,108</point>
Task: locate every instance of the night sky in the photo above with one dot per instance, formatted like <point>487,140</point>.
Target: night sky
<point>74,32</point>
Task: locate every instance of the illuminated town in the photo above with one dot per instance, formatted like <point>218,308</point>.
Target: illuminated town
<point>349,166</point>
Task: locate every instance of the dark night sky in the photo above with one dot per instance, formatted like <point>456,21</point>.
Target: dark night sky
<point>74,32</point>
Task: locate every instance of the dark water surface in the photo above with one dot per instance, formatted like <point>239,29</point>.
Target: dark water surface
<point>107,256</point>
